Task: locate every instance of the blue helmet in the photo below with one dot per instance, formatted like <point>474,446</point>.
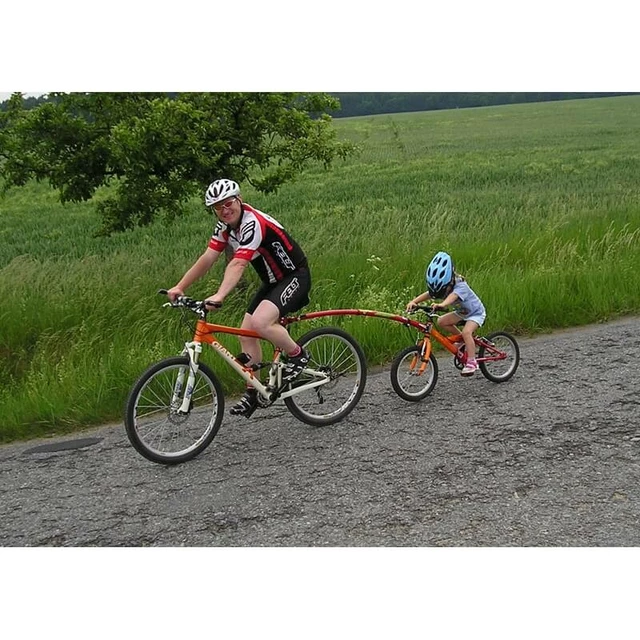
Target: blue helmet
<point>439,274</point>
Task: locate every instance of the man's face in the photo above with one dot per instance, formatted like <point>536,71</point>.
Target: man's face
<point>229,211</point>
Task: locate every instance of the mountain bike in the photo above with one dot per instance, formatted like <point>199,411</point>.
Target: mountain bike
<point>414,371</point>
<point>176,407</point>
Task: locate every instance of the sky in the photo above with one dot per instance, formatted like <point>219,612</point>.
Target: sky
<point>496,45</point>
<point>5,95</point>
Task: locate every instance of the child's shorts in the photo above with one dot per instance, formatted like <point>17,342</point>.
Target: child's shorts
<point>478,318</point>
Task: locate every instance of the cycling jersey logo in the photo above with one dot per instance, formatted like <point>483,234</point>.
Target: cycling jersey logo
<point>247,232</point>
<point>219,228</point>
<point>283,255</point>
<point>289,292</point>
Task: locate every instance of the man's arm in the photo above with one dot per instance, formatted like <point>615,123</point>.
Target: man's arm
<point>197,270</point>
<point>232,275</point>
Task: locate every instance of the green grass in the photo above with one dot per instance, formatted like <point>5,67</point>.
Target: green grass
<point>537,203</point>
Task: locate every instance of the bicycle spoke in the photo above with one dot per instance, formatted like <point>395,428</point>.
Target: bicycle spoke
<point>159,430</point>
<point>407,379</point>
<point>334,353</point>
<point>499,361</point>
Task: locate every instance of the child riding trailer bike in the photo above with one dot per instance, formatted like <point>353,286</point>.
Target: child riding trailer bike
<point>414,371</point>
<point>443,283</point>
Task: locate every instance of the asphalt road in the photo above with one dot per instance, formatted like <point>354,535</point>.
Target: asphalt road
<point>550,458</point>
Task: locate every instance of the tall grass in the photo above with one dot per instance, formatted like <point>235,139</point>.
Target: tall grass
<point>538,204</point>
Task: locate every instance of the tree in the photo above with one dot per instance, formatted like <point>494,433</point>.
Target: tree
<point>158,150</point>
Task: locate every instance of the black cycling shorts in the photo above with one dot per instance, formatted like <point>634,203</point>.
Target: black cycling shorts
<point>289,295</point>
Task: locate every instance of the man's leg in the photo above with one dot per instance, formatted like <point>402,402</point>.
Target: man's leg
<point>250,346</point>
<point>248,403</point>
<point>266,321</point>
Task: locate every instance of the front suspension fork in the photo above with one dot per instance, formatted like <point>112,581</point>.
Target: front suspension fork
<point>193,350</point>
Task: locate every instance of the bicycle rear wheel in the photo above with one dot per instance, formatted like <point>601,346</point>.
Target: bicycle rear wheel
<point>334,352</point>
<point>409,379</point>
<point>154,425</point>
<point>499,370</point>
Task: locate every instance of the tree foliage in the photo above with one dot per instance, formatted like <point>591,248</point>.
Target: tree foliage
<point>158,150</point>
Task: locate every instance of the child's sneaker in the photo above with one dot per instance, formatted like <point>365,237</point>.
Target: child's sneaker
<point>470,368</point>
<point>295,366</point>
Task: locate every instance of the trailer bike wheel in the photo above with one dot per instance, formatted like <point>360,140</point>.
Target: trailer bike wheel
<point>155,424</point>
<point>411,378</point>
<point>335,353</point>
<point>499,370</point>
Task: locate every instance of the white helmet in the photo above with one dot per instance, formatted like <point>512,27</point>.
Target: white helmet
<point>221,190</point>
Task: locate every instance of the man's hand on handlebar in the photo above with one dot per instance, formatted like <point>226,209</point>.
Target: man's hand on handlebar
<point>211,304</point>
<point>174,293</point>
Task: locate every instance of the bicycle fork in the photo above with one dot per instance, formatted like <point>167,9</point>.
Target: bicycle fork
<point>193,350</point>
<point>422,357</point>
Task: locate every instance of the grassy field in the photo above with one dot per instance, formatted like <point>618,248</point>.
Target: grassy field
<point>538,204</point>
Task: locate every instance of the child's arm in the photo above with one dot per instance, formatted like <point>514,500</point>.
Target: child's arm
<point>417,300</point>
<point>447,302</point>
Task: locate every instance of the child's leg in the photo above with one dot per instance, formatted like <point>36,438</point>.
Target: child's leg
<point>467,334</point>
<point>448,322</point>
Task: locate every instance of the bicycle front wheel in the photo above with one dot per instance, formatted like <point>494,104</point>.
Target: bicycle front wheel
<point>156,426</point>
<point>335,353</point>
<point>411,378</point>
<point>500,344</point>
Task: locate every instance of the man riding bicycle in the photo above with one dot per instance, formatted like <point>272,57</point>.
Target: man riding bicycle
<point>257,239</point>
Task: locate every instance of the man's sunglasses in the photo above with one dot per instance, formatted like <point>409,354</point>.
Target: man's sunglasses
<point>219,206</point>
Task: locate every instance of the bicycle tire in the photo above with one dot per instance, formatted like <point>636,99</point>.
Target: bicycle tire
<point>334,351</point>
<point>159,433</point>
<point>409,384</point>
<point>500,370</point>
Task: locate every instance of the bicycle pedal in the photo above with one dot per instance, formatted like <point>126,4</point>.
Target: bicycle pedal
<point>246,405</point>
<point>247,413</point>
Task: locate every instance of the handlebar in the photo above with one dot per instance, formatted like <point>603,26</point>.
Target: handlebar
<point>200,307</point>
<point>429,310</point>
